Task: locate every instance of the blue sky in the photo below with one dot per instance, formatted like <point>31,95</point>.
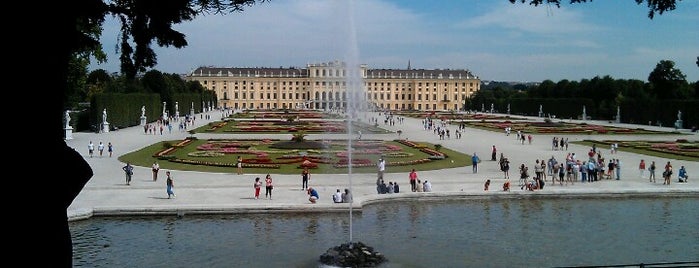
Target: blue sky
<point>494,39</point>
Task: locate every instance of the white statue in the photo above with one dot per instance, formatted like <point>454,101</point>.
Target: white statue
<point>143,111</point>
<point>67,118</point>
<point>679,115</point>
<point>104,115</point>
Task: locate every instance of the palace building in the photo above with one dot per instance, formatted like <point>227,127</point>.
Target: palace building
<point>332,85</point>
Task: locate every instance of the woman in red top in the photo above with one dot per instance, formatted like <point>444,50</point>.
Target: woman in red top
<point>413,180</point>
<point>642,167</point>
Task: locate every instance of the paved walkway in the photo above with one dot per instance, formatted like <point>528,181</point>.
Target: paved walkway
<point>198,192</point>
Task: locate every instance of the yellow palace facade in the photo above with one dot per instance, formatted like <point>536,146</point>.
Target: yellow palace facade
<point>333,85</point>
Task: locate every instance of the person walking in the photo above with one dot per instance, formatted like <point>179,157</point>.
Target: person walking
<point>239,165</point>
<point>651,172</point>
<point>91,149</point>
<point>494,153</point>
<point>128,171</point>
<point>641,168</point>
<point>475,160</point>
<point>413,180</point>
<point>257,185</point>
<point>305,176</point>
<point>170,185</point>
<point>155,168</point>
<point>100,148</point>
<point>110,148</point>
<point>268,186</point>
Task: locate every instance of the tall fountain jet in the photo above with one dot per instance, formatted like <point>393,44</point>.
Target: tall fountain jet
<point>354,105</point>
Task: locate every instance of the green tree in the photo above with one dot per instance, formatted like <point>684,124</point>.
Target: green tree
<point>668,82</point>
<point>154,81</point>
<point>654,6</point>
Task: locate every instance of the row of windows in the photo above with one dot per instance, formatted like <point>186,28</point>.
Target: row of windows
<point>337,83</point>
<point>244,82</point>
<point>343,96</point>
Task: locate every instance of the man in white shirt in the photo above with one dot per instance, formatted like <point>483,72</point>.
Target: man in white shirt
<point>427,186</point>
<point>337,197</point>
<point>382,167</point>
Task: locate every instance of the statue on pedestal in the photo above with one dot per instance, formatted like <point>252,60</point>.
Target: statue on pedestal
<point>143,111</point>
<point>104,116</point>
<point>679,115</point>
<point>67,118</point>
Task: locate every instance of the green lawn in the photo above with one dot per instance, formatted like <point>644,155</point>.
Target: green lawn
<point>224,163</point>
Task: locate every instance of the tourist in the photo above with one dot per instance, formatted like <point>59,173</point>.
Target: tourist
<point>390,188</point>
<point>382,167</point>
<point>257,186</point>
<point>610,169</point>
<point>506,186</point>
<point>155,168</point>
<point>396,188</point>
<point>617,167</point>
<point>337,197</point>
<point>474,161</point>
<point>110,148</point>
<point>383,188</point>
<point>90,149</point>
<point>347,196</point>
<point>268,186</point>
<point>487,184</point>
<point>493,154</point>
<point>305,176</point>
<point>561,173</point>
<point>128,171</point>
<point>239,165</point>
<point>413,180</point>
<point>667,173</point>
<point>100,148</point>
<point>427,187</point>
<point>543,169</point>
<point>682,175</point>
<point>538,169</point>
<point>506,168</point>
<point>170,185</point>
<point>419,187</point>
<point>312,195</point>
<point>641,168</point>
<point>651,172</point>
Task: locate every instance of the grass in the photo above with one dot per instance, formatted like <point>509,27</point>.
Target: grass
<point>145,157</point>
<point>639,150</point>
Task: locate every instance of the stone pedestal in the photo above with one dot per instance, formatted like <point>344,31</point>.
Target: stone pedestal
<point>105,127</point>
<point>678,124</point>
<point>69,133</point>
<point>143,120</point>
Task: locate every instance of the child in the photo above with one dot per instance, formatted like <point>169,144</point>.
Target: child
<point>487,184</point>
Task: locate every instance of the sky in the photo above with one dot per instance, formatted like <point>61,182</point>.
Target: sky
<point>494,39</point>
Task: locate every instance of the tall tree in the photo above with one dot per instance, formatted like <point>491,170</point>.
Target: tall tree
<point>668,82</point>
